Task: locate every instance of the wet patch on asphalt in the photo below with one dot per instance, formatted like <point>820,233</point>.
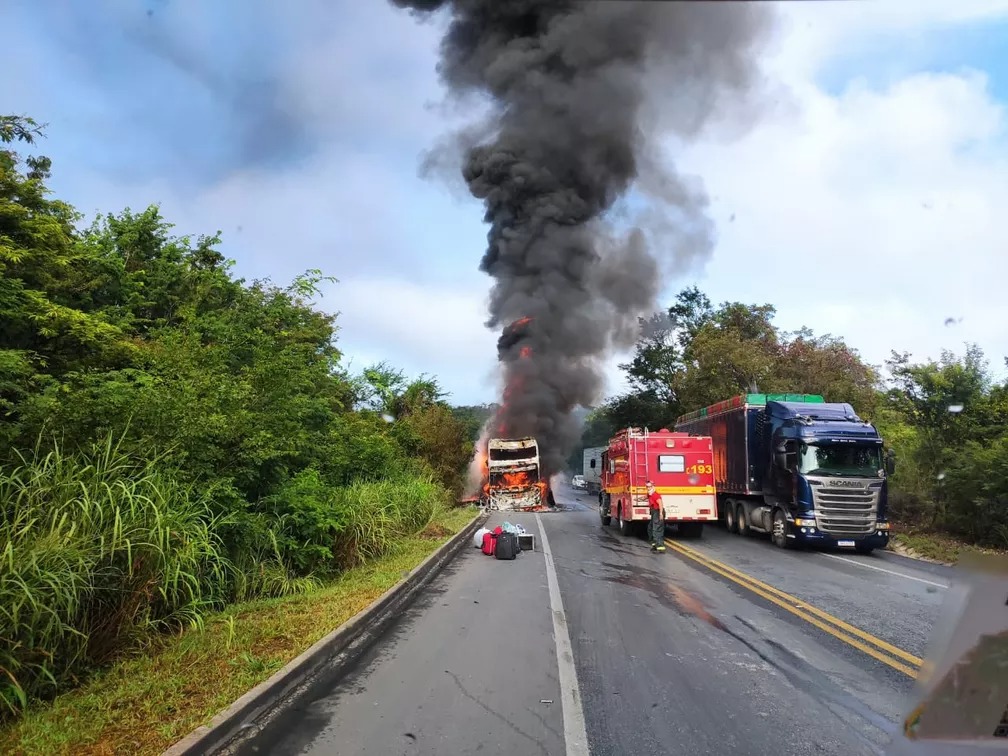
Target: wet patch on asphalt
<point>800,673</point>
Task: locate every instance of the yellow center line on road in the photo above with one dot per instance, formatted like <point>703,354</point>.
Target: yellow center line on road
<point>852,636</point>
<point>805,606</point>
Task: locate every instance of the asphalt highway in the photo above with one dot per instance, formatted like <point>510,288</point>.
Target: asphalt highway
<point>593,644</point>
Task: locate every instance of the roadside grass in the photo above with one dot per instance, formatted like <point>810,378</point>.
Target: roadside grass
<point>931,545</point>
<point>144,703</point>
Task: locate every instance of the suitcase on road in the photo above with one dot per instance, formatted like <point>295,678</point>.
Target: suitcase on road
<point>489,543</point>
<point>507,546</point>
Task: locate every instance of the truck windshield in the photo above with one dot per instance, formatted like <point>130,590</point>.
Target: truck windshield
<point>839,459</point>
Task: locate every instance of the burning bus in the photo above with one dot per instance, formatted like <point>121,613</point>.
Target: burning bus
<point>514,475</point>
<point>509,476</point>
<point>508,471</point>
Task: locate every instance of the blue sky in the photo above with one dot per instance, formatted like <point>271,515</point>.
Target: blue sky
<point>300,136</point>
<point>887,56</point>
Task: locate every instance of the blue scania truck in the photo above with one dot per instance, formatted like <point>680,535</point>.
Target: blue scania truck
<point>808,472</point>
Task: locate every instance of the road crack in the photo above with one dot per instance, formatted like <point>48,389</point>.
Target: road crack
<point>545,724</point>
<point>497,714</point>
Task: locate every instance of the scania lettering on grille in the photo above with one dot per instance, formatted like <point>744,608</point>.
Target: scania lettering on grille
<point>848,483</point>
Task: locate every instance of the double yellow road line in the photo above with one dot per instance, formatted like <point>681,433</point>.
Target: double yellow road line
<point>874,647</point>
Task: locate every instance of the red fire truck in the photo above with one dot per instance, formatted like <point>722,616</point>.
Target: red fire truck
<point>680,466</point>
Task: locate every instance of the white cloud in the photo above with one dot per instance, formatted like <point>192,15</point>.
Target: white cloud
<point>421,329</point>
<point>870,215</point>
<point>430,329</point>
<point>812,33</point>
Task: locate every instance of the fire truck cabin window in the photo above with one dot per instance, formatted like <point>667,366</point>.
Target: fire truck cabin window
<point>671,463</point>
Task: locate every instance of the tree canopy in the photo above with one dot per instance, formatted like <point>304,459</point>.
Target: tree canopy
<point>174,438</point>
<point>947,419</point>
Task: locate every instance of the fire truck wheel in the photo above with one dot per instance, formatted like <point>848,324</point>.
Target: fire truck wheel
<point>626,527</point>
<point>603,510</point>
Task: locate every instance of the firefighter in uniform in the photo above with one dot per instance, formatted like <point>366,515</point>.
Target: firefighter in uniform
<point>657,525</point>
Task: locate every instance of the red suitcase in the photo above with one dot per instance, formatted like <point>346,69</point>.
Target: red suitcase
<point>489,543</point>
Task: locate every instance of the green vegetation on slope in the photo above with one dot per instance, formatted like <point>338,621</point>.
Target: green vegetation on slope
<point>143,703</point>
<point>174,440</point>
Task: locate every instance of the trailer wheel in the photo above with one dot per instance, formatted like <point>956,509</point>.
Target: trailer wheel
<point>779,534</point>
<point>731,525</point>
<point>742,518</point>
<point>626,527</point>
<point>603,510</point>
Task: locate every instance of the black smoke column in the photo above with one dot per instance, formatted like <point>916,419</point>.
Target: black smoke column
<point>570,82</point>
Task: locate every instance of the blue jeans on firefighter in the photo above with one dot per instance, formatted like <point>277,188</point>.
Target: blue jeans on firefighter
<point>657,528</point>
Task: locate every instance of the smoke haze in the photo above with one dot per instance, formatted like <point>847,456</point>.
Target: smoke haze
<point>573,87</point>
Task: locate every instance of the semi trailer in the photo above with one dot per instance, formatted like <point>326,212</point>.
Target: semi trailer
<point>806,471</point>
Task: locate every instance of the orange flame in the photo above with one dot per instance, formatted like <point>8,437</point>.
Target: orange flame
<point>479,469</point>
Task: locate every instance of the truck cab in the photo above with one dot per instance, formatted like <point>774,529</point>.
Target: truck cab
<point>806,471</point>
<point>824,468</point>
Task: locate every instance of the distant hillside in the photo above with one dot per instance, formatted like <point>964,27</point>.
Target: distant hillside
<point>472,416</point>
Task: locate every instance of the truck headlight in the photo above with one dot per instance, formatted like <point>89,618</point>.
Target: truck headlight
<point>882,526</point>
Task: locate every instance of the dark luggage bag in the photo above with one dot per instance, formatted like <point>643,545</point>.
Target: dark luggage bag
<point>507,546</point>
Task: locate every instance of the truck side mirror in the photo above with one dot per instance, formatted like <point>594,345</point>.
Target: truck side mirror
<point>592,464</point>
<point>890,462</point>
<point>786,455</point>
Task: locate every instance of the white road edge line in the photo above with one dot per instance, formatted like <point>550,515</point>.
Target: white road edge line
<point>575,735</point>
<point>883,569</point>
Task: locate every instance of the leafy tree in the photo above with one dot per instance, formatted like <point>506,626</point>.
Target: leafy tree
<point>599,427</point>
<point>945,397</point>
<point>825,365</point>
<point>441,441</point>
<point>473,417</point>
<point>694,354</point>
<point>661,357</point>
<point>733,352</point>
<point>220,392</point>
<point>421,394</point>
<point>40,270</point>
<point>381,388</point>
<point>957,418</point>
<point>946,419</point>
